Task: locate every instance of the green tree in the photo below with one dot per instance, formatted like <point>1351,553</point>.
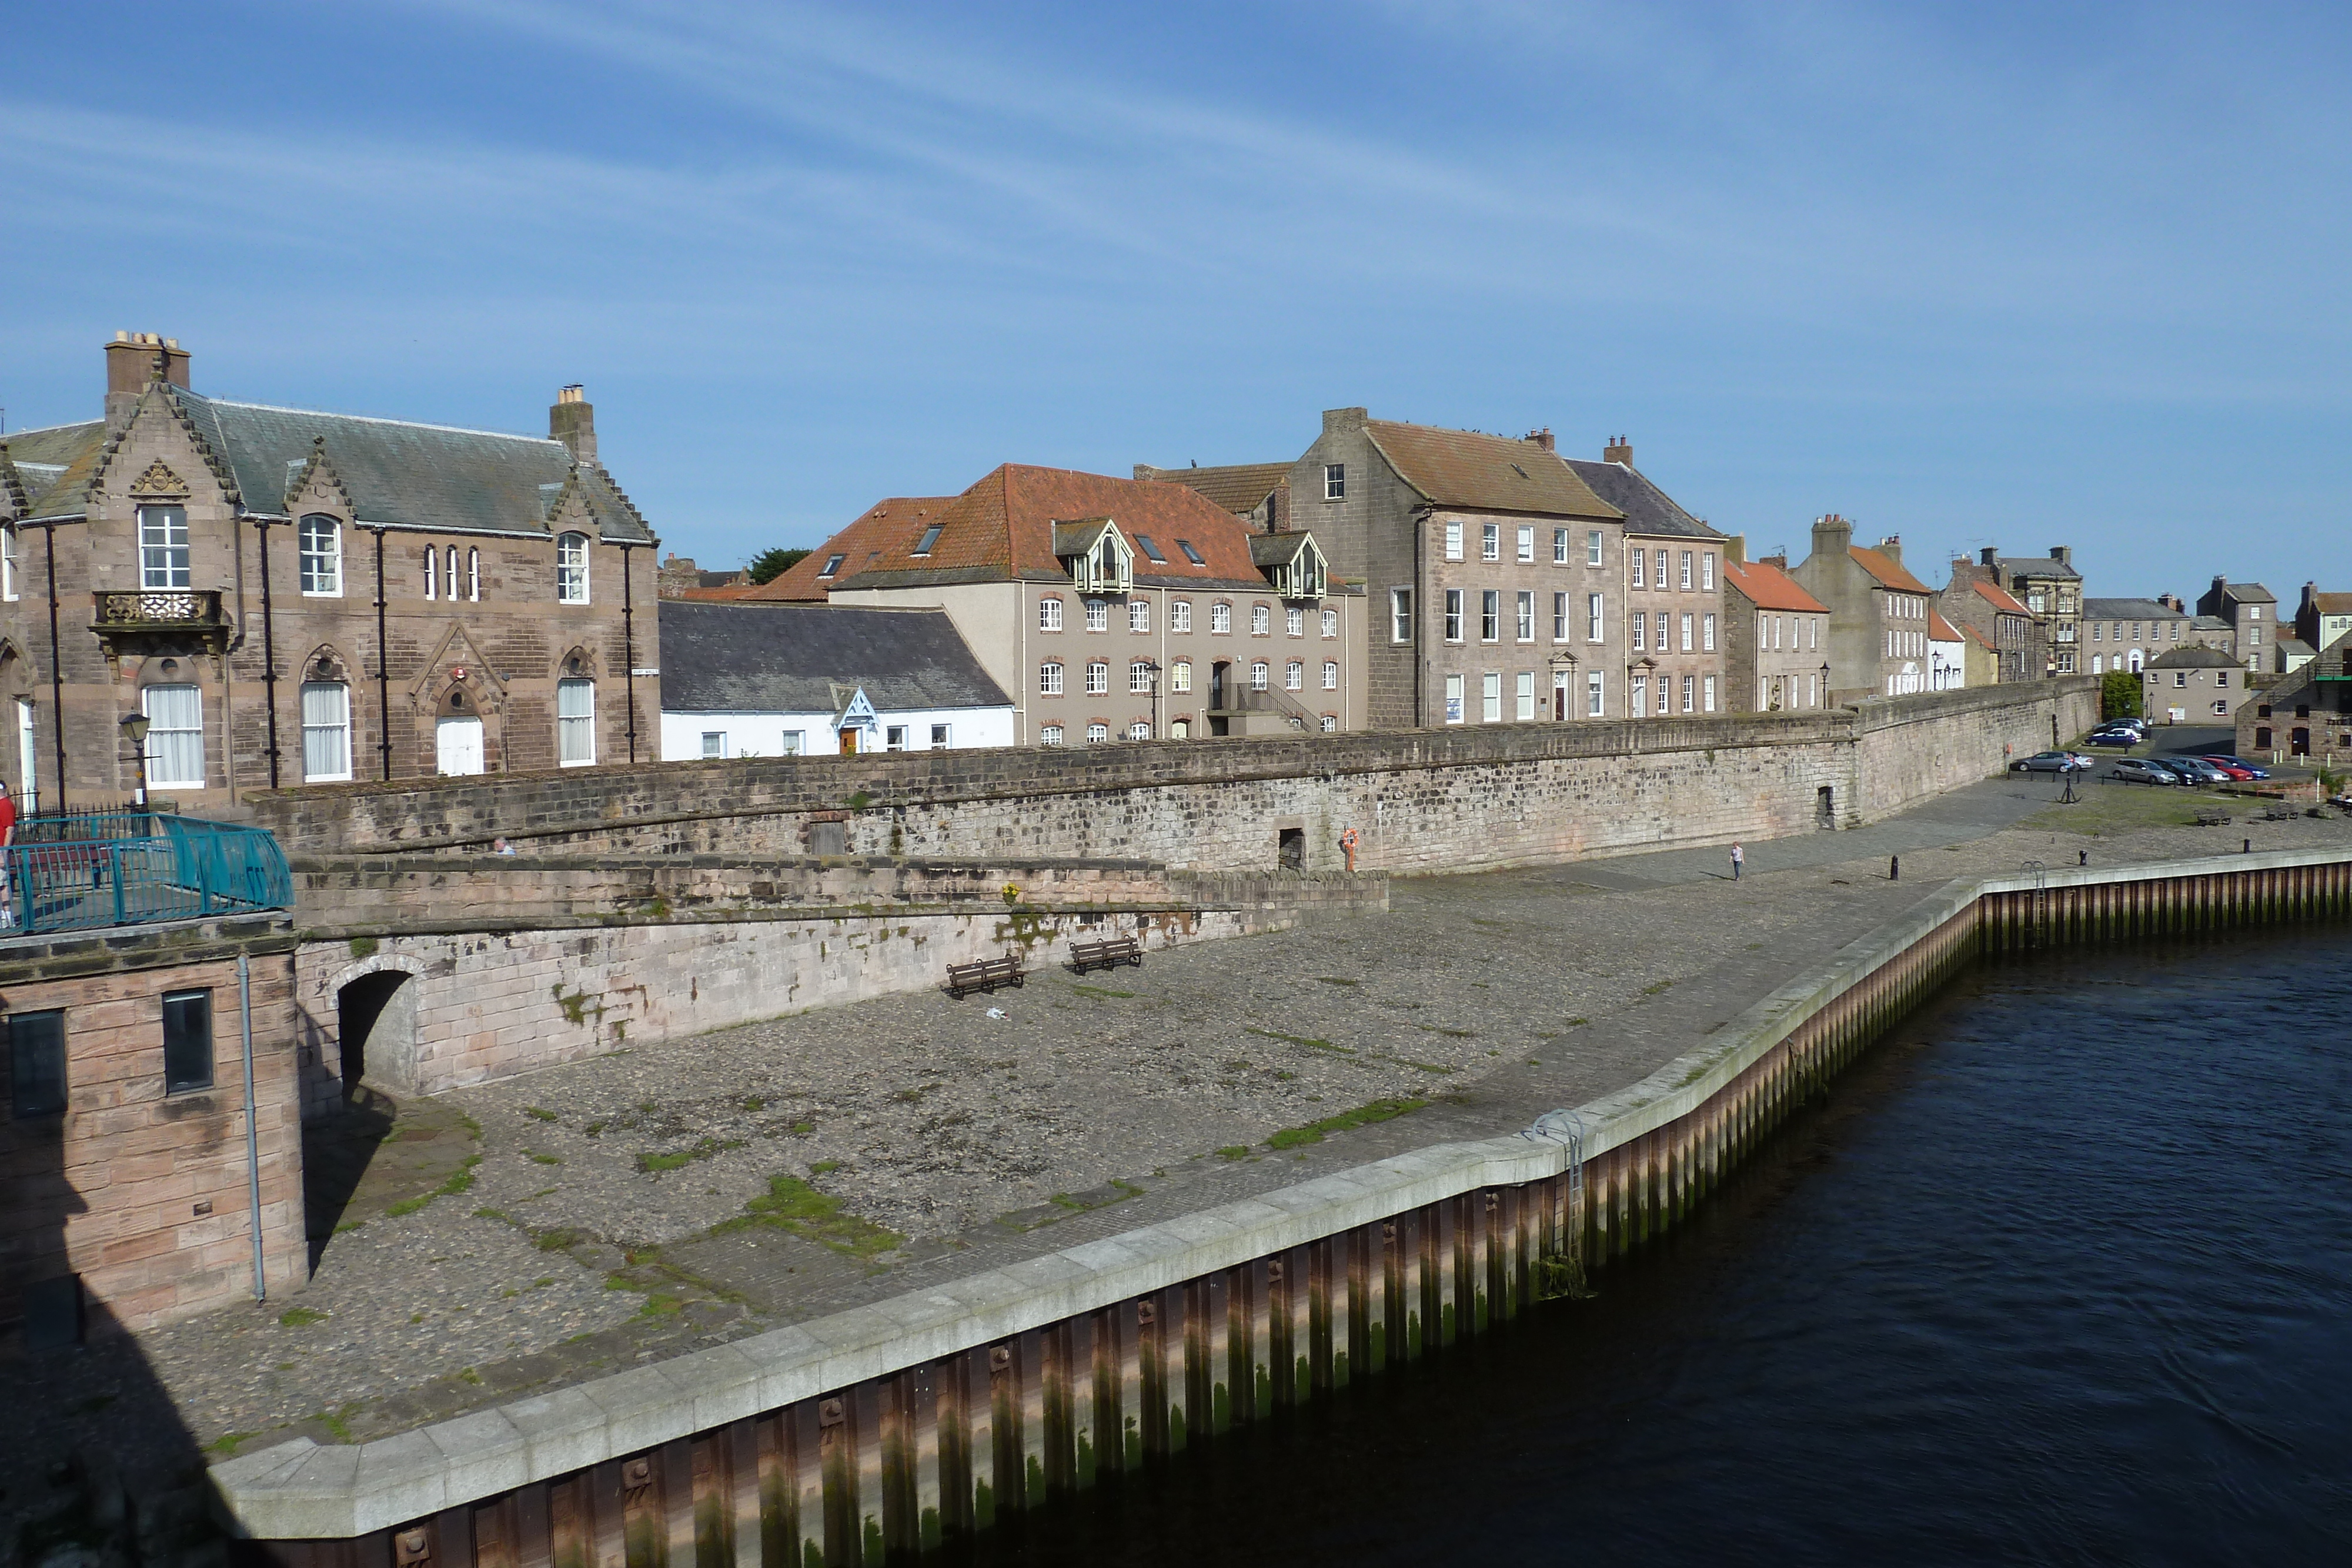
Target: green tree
<point>2119,695</point>
<point>774,562</point>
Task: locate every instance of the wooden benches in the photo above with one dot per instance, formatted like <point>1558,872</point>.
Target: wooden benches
<point>984,976</point>
<point>2209,818</point>
<point>1107,954</point>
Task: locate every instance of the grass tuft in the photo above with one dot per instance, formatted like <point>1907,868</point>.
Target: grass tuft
<point>1361,1117</point>
<point>299,1318</point>
<point>792,1205</point>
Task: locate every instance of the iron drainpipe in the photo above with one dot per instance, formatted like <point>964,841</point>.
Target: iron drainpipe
<point>269,649</point>
<point>628,654</point>
<point>252,1132</point>
<point>382,676</point>
<point>57,673</point>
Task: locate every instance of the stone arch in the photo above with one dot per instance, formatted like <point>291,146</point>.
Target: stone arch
<point>376,1022</point>
<point>578,661</point>
<point>324,662</point>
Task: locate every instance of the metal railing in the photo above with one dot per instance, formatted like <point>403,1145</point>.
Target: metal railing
<point>84,872</point>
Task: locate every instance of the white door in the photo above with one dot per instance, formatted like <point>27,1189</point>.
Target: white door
<point>458,743</point>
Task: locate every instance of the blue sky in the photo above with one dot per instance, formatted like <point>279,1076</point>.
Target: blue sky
<point>1975,274</point>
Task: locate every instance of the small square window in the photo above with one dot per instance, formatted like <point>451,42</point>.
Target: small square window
<point>714,743</point>
<point>832,564</point>
<point>37,1063</point>
<point>187,1040</point>
<point>939,737</point>
<point>894,739</point>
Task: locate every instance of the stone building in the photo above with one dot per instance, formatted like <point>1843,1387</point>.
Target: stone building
<point>1776,636</point>
<point>2125,633</point>
<point>1495,573</point>
<point>1257,493</point>
<point>1947,653</point>
<point>1878,612</point>
<point>2322,618</point>
<point>1118,609</point>
<point>2251,611</point>
<point>290,597</point>
<point>679,578</point>
<point>785,680</point>
<point>2306,714</point>
<point>1975,601</point>
<point>895,522</point>
<point>2193,685</point>
<point>1673,591</point>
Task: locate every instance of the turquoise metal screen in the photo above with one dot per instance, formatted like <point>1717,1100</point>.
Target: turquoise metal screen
<point>126,868</point>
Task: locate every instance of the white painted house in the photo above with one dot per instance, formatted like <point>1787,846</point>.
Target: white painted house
<point>1947,654</point>
<point>752,679</point>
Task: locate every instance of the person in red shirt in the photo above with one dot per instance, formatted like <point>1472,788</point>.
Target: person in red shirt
<point>7,871</point>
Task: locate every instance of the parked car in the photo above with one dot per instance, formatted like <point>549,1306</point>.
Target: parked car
<point>2195,769</point>
<point>2050,762</point>
<point>2237,774</point>
<point>2123,738</point>
<point>2253,769</point>
<point>2139,771</point>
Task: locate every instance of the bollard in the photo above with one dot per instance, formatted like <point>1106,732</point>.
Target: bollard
<point>1894,868</point>
<point>2250,847</point>
<point>2082,857</point>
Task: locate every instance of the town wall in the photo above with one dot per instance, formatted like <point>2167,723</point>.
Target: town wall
<point>142,1194</point>
<point>1421,801</point>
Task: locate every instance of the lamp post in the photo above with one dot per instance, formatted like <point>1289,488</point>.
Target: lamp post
<point>1825,686</point>
<point>134,730</point>
<point>1153,666</point>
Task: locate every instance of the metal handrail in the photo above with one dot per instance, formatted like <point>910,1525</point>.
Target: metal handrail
<point>135,867</point>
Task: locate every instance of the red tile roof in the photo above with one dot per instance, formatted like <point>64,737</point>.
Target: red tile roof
<point>1999,597</point>
<point>1003,529</point>
<point>1887,569</point>
<point>901,519</point>
<point>1770,588</point>
<point>1938,629</point>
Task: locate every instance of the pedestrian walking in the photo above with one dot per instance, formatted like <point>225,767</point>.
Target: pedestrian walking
<point>1738,859</point>
<point>8,861</point>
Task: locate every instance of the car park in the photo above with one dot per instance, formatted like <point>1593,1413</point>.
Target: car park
<point>2195,769</point>
<point>2139,771</point>
<point>2253,769</point>
<point>2236,773</point>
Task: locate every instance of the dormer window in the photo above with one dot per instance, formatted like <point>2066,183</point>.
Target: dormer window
<point>1095,555</point>
<point>832,565</point>
<point>1293,564</point>
<point>931,537</point>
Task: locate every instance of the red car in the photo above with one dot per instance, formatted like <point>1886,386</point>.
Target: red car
<point>2230,766</point>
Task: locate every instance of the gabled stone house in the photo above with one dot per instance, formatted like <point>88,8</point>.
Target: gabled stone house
<point>2322,618</point>
<point>290,597</point>
<point>1878,612</point>
<point>2125,633</point>
<point>1996,622</point>
<point>1776,636</point>
<point>2306,714</point>
<point>1673,583</point>
<point>2193,685</point>
<point>2251,611</point>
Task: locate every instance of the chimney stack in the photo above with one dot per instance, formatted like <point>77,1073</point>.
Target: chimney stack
<point>1833,537</point>
<point>2062,554</point>
<point>2173,602</point>
<point>1620,450</point>
<point>132,360</point>
<point>1989,555</point>
<point>1735,548</point>
<point>572,421</point>
<point>1891,547</point>
<point>1542,438</point>
<point>1345,418</point>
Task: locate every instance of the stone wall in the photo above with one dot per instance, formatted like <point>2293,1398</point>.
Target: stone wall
<point>482,1002</point>
<point>1422,801</point>
<point>142,1194</point>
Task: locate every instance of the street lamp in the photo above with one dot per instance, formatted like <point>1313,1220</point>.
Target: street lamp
<point>1153,667</point>
<point>134,730</point>
<point>1825,686</point>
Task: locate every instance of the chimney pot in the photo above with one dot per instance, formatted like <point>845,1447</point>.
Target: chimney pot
<point>572,421</point>
<point>1620,450</point>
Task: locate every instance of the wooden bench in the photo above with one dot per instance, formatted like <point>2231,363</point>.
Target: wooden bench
<point>2209,818</point>
<point>1107,954</point>
<point>984,976</point>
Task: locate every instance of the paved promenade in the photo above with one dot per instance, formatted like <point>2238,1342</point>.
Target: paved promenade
<point>522,1235</point>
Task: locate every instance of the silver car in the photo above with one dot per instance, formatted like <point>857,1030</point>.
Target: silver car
<point>2139,771</point>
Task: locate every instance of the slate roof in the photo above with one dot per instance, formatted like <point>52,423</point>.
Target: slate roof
<point>2000,598</point>
<point>1768,588</point>
<point>1239,487</point>
<point>1648,510</point>
<point>2130,610</point>
<point>2193,659</point>
<point>2249,593</point>
<point>2209,623</point>
<point>1887,569</point>
<point>745,657</point>
<point>2033,566</point>
<point>2294,647</point>
<point>424,476</point>
<point>40,458</point>
<point>897,520</point>
<point>1001,530</point>
<point>1477,472</point>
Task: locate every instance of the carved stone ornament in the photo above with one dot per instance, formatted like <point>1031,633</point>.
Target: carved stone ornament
<point>160,482</point>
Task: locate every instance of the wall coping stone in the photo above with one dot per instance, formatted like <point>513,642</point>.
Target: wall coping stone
<point>303,1490</point>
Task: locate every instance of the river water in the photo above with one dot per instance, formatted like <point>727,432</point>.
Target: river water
<point>2061,1273</point>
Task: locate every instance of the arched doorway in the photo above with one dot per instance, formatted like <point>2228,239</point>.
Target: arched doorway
<point>376,1022</point>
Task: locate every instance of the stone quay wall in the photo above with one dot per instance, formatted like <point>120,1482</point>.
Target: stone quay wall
<point>1421,801</point>
<point>904,1430</point>
<point>509,983</point>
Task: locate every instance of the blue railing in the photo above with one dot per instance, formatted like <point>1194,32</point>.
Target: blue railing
<point>127,868</point>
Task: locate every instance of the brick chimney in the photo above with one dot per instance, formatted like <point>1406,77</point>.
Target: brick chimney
<point>2062,554</point>
<point>572,421</point>
<point>1891,547</point>
<point>1777,560</point>
<point>1620,450</point>
<point>2173,602</point>
<point>132,360</point>
<point>1542,438</point>
<point>1833,537</point>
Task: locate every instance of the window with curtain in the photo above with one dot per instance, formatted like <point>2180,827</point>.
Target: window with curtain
<point>320,554</point>
<point>572,569</point>
<point>175,737</point>
<point>576,722</point>
<point>163,547</point>
<point>326,731</point>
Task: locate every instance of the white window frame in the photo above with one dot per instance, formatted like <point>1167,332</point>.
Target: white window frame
<point>1330,623</point>
<point>581,734</point>
<point>1527,543</point>
<point>1454,627</point>
<point>1490,541</point>
<point>1524,621</point>
<point>1689,644</point>
<point>1138,676</point>
<point>1399,614</point>
<point>1593,694</point>
<point>942,736</point>
<point>1454,538</point>
<point>1453,699</point>
<point>1261,673</point>
<point>1560,616</point>
<point>1097,677</point>
<point>1335,481</point>
<point>1180,616</point>
<point>1640,632</point>
<point>894,737</point>
<point>572,569</point>
<point>1687,572</point>
<point>1641,558</point>
<point>1490,696</point>
<point>1139,730</point>
<point>1261,621</point>
<point>159,776</point>
<point>714,745</point>
<point>1331,675</point>
<point>318,573</point>
<point>1098,615</point>
<point>1706,635</point>
<point>1706,572</point>
<point>1049,678</point>
<point>1707,688</point>
<point>1049,734</point>
<point>1138,615</point>
<point>473,574</point>
<point>1294,621</point>
<point>1097,733</point>
<point>1640,695</point>
<point>1559,547</point>
<point>1049,612</point>
<point>1524,696</point>
<point>1490,615</point>
<point>339,726</point>
<point>1592,543</point>
<point>1180,677</point>
<point>8,543</point>
<point>1596,611</point>
<point>1220,619</point>
<point>163,564</point>
<point>1293,675</point>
